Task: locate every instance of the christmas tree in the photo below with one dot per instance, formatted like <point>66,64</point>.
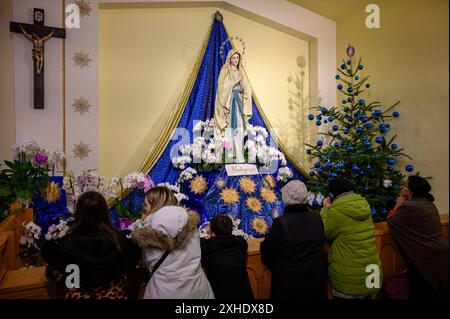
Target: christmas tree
<point>356,145</point>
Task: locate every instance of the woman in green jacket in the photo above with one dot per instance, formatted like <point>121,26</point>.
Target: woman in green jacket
<point>354,266</point>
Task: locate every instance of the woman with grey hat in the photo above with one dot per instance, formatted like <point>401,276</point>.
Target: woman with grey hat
<point>293,248</point>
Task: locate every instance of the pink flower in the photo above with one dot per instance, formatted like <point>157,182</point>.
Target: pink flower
<point>148,183</point>
<point>40,159</point>
<point>124,223</point>
<point>226,144</point>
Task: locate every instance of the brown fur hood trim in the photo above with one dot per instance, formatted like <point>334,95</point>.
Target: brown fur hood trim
<point>149,237</point>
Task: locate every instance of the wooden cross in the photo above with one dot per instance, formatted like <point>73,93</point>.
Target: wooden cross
<point>38,34</point>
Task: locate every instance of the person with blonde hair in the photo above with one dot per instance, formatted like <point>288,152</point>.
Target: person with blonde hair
<point>171,249</point>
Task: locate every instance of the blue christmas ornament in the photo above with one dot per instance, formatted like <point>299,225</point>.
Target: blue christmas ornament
<point>336,144</point>
<point>319,117</point>
<point>308,152</point>
<point>349,62</point>
<point>312,173</point>
<point>356,78</point>
<point>337,77</point>
<point>320,170</point>
<point>349,89</point>
<point>360,67</point>
<point>359,129</point>
<point>318,123</point>
<point>361,173</point>
<point>349,148</point>
<point>324,110</point>
<point>338,135</point>
<point>395,114</point>
<point>344,101</point>
<point>316,164</point>
<point>330,119</point>
<point>329,165</point>
<point>367,85</point>
<point>369,167</point>
<point>361,102</point>
<point>364,119</point>
<point>319,143</point>
<point>340,86</point>
<point>390,161</point>
<point>373,211</point>
<point>315,203</point>
<point>368,126</point>
<point>343,66</point>
<point>384,211</point>
<point>346,109</point>
<point>388,126</point>
<point>390,169</point>
<point>325,121</point>
<point>335,128</point>
<point>394,147</point>
<point>310,117</point>
<point>355,168</point>
<point>346,131</point>
<point>409,168</point>
<point>350,119</point>
<point>367,144</point>
<point>379,139</point>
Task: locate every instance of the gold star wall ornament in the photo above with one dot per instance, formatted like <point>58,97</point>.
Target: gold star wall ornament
<point>230,195</point>
<point>269,181</point>
<point>81,105</point>
<point>268,195</point>
<point>81,150</point>
<point>247,185</point>
<point>254,204</point>
<point>81,59</point>
<point>84,7</point>
<point>51,193</point>
<point>260,225</point>
<point>198,185</point>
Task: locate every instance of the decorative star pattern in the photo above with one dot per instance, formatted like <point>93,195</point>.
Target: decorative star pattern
<point>81,150</point>
<point>81,105</point>
<point>85,8</point>
<point>81,59</point>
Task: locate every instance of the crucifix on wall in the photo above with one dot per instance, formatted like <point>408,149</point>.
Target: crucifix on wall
<point>38,34</point>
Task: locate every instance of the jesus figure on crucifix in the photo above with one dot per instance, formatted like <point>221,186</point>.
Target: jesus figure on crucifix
<point>38,47</point>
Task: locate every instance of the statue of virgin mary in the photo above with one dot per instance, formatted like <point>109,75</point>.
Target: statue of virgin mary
<point>233,104</point>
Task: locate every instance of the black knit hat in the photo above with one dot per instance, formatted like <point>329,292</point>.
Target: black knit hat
<point>420,187</point>
<point>339,185</point>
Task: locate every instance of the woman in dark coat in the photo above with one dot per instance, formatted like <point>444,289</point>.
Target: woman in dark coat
<point>104,256</point>
<point>293,248</point>
<point>417,230</point>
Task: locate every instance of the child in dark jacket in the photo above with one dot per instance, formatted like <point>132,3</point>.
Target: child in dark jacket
<point>224,258</point>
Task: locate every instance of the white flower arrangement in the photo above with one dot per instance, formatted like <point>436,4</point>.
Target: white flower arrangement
<point>31,234</point>
<point>87,181</point>
<point>186,175</point>
<point>29,151</point>
<point>203,150</point>
<point>284,174</point>
<point>176,191</point>
<point>315,197</point>
<point>58,230</point>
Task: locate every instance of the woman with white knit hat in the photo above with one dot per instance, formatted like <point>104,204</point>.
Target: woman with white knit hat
<point>293,248</point>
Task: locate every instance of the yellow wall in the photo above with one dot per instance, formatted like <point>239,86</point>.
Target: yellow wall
<point>407,59</point>
<point>146,56</point>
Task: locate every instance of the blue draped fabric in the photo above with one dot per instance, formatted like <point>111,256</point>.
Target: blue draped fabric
<point>200,106</point>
